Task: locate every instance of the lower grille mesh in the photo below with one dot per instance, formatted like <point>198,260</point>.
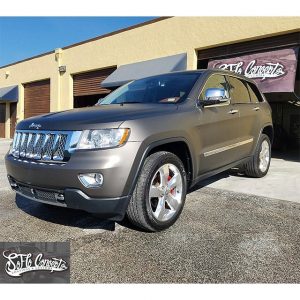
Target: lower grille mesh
<point>38,194</point>
<point>45,195</point>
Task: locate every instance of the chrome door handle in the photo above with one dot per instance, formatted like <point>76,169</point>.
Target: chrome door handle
<point>233,111</point>
<point>256,108</point>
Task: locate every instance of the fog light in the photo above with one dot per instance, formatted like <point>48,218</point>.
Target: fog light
<point>91,180</point>
<point>59,197</point>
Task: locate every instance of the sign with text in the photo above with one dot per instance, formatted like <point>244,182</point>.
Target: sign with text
<point>47,262</point>
<point>273,71</point>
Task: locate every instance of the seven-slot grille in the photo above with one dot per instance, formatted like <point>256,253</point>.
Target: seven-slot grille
<point>37,145</point>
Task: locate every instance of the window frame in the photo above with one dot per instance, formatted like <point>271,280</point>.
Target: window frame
<point>244,82</point>
<point>256,91</point>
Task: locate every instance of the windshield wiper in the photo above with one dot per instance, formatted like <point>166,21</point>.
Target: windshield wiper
<point>130,102</point>
<point>121,103</point>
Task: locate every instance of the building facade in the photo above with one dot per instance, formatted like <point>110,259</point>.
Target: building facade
<point>71,76</point>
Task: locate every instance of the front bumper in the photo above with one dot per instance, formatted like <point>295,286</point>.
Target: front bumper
<point>118,167</point>
<point>107,208</point>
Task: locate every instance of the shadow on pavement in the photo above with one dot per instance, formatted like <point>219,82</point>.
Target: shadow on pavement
<point>215,178</point>
<point>291,155</point>
<point>63,216</point>
<point>288,155</point>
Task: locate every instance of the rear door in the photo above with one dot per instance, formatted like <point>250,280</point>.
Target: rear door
<point>248,122</point>
<point>217,129</point>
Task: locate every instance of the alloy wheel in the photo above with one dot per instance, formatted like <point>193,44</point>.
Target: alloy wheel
<point>264,156</point>
<point>165,193</point>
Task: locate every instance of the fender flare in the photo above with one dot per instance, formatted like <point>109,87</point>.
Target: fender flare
<point>137,171</point>
<point>260,133</point>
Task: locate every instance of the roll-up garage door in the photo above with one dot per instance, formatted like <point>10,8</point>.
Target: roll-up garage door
<point>87,87</point>
<point>13,118</point>
<point>2,120</point>
<point>36,98</point>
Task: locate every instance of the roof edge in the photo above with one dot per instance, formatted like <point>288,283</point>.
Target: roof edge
<point>91,40</point>
<point>118,31</point>
<point>26,59</point>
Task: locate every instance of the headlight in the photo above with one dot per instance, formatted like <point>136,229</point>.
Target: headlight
<point>103,138</point>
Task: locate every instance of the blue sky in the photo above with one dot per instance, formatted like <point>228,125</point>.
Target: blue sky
<point>23,37</point>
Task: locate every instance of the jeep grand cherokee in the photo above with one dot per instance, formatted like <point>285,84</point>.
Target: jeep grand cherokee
<point>144,146</point>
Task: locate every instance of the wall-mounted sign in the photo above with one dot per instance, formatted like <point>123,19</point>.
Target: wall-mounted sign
<point>273,71</point>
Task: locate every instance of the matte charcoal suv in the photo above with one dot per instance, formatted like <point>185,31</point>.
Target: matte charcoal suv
<point>144,146</point>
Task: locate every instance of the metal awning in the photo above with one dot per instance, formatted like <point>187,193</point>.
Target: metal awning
<point>146,68</point>
<point>9,94</point>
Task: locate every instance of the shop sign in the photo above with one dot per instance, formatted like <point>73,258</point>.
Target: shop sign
<point>273,71</point>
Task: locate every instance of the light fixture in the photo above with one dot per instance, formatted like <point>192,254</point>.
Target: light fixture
<point>91,180</point>
<point>62,69</point>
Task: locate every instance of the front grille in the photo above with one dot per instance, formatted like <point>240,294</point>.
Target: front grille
<point>43,146</point>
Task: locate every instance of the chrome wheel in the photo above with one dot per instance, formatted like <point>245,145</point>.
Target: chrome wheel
<point>165,194</point>
<point>264,156</point>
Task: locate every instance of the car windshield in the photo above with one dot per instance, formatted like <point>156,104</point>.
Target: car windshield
<point>169,88</point>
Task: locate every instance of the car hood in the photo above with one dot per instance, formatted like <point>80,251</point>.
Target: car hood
<point>96,117</point>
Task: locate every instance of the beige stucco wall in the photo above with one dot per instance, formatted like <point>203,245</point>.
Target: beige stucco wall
<point>170,36</point>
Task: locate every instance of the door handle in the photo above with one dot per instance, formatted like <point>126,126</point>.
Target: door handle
<point>256,108</point>
<point>233,111</point>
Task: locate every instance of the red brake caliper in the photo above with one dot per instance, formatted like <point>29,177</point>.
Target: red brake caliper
<point>172,190</point>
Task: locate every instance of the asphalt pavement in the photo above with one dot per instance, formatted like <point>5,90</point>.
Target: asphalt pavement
<point>221,237</point>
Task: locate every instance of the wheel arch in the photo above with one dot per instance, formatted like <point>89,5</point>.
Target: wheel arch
<point>181,149</point>
<point>178,146</point>
<point>269,131</point>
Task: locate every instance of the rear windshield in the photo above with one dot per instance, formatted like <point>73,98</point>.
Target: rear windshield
<point>170,88</point>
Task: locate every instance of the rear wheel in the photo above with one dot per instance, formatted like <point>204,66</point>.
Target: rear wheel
<point>160,192</point>
<point>259,164</point>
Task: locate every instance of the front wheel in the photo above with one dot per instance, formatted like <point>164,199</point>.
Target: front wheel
<point>259,164</point>
<point>160,192</point>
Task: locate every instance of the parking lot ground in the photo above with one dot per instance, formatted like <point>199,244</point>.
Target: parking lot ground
<point>281,182</point>
<point>222,236</point>
<point>4,145</point>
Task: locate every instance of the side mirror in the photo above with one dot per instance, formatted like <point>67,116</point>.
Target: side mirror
<point>214,96</point>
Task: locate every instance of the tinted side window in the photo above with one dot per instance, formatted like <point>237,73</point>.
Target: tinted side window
<point>215,81</point>
<point>254,93</point>
<point>238,91</point>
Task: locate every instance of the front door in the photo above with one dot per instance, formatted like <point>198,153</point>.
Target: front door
<point>218,130</point>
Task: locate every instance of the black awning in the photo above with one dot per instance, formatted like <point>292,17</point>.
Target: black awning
<point>9,94</point>
<point>146,68</point>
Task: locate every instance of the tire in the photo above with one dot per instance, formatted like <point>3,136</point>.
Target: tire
<point>255,166</point>
<point>150,209</point>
